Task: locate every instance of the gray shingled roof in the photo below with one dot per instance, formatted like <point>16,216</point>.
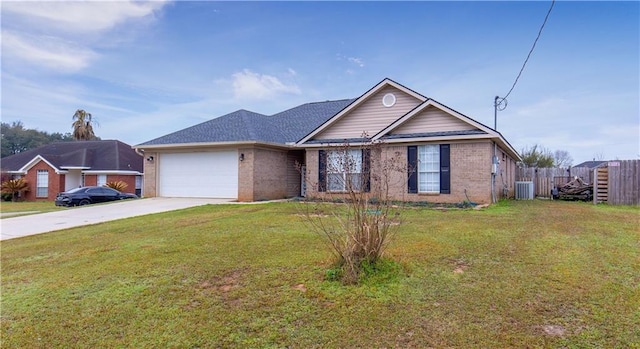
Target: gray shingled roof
<point>434,134</point>
<point>591,164</point>
<point>245,126</point>
<point>104,155</point>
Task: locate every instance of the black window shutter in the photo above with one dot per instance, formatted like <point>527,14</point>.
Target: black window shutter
<point>322,170</point>
<point>366,170</point>
<point>412,169</point>
<point>445,169</point>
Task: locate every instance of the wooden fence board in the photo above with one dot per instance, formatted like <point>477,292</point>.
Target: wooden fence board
<point>624,182</point>
<point>617,183</point>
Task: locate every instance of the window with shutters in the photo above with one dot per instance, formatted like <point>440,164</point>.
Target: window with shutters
<point>429,169</point>
<point>42,183</point>
<point>344,170</point>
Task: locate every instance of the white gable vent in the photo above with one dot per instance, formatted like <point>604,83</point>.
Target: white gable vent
<point>389,100</point>
<point>524,190</point>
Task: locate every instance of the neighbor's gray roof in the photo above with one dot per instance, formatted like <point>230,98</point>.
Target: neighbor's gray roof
<point>591,164</point>
<point>103,155</point>
<point>245,126</point>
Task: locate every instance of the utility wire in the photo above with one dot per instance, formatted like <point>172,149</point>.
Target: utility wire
<point>500,101</point>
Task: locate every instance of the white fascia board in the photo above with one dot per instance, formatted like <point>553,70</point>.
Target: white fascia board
<point>435,139</point>
<point>74,167</point>
<point>96,172</point>
<point>234,144</point>
<point>34,161</point>
<point>358,102</point>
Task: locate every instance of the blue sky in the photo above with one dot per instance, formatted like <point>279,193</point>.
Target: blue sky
<point>145,69</point>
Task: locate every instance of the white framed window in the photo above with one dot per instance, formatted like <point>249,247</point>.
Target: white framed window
<point>42,183</point>
<point>102,180</point>
<point>429,168</point>
<point>344,170</point>
<point>138,182</point>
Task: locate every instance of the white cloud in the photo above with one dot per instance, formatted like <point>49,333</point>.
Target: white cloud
<point>353,60</point>
<point>356,61</point>
<point>45,51</point>
<point>81,16</point>
<point>63,36</point>
<point>250,85</point>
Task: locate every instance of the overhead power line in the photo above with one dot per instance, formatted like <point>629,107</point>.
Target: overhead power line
<point>502,101</point>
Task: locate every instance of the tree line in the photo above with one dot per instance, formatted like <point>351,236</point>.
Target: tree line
<point>16,138</point>
<point>539,156</point>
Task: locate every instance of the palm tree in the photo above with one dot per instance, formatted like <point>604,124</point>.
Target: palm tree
<point>82,128</point>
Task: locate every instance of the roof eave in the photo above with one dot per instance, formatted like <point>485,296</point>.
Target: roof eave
<point>232,144</point>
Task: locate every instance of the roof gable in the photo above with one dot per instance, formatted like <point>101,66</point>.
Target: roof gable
<point>434,121</point>
<point>432,116</point>
<point>34,162</point>
<point>367,114</point>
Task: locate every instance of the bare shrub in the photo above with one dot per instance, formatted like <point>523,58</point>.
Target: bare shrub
<point>353,209</point>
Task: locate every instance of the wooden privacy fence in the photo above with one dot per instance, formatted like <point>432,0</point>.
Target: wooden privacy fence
<point>614,182</point>
<point>622,183</point>
<point>544,179</point>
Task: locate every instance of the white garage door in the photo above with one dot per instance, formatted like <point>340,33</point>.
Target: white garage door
<point>203,175</point>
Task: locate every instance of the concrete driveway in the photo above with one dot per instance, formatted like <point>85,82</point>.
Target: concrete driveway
<point>14,227</point>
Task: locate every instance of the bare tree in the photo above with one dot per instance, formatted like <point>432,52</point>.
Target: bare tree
<point>353,209</point>
<point>562,158</point>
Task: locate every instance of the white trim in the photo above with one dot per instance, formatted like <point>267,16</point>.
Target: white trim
<point>384,83</point>
<point>74,167</point>
<point>389,100</point>
<point>234,144</point>
<point>112,172</point>
<point>34,161</point>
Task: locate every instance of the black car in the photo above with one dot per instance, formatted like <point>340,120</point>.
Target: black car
<point>90,195</point>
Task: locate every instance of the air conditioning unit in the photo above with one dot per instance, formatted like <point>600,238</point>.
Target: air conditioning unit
<point>524,191</point>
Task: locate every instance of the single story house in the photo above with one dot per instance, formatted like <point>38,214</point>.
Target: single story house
<point>61,166</point>
<point>250,157</point>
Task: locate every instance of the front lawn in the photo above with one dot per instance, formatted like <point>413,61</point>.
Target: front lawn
<point>518,274</point>
<point>29,207</point>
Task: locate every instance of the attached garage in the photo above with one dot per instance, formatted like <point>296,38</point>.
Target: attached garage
<point>210,174</point>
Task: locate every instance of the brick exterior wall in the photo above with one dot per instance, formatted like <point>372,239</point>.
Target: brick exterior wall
<point>149,184</point>
<point>470,171</point>
<point>90,180</point>
<point>55,182</point>
<point>246,174</point>
<point>262,175</point>
<point>130,180</point>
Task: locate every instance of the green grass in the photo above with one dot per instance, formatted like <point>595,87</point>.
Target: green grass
<point>31,207</point>
<point>253,276</point>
